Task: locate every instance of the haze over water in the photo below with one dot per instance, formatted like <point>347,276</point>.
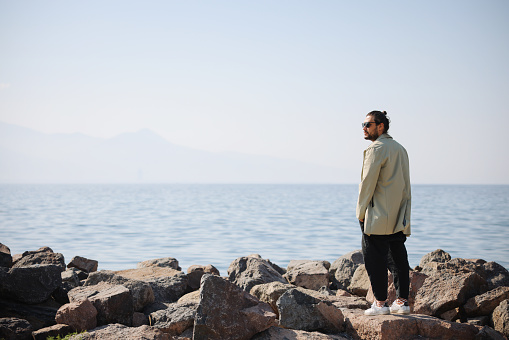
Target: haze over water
<point>120,225</point>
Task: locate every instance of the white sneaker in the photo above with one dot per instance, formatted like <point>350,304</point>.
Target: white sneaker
<point>400,309</point>
<point>375,310</point>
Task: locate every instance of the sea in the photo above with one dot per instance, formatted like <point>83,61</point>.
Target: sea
<point>120,225</point>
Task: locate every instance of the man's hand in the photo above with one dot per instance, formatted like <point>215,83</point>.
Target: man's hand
<point>361,220</point>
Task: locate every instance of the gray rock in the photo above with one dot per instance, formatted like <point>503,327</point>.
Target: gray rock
<point>270,293</point>
<point>5,256</point>
<point>438,256</point>
<point>247,272</point>
<point>342,270</point>
<point>496,275</point>
<point>278,333</point>
<point>142,292</point>
<point>52,331</point>
<point>195,272</point>
<point>308,274</point>
<point>500,318</point>
<point>169,289</point>
<point>116,332</point>
<point>44,255</point>
<point>114,303</point>
<point>360,283</point>
<point>488,333</point>
<point>83,264</point>
<point>308,310</point>
<point>31,284</point>
<point>39,316</point>
<point>15,329</point>
<point>175,319</point>
<point>228,312</point>
<point>166,262</point>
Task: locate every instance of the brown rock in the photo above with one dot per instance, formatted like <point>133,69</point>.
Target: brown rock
<point>496,275</point>
<point>500,318</point>
<point>84,264</point>
<point>451,315</point>
<point>437,256</point>
<point>277,333</point>
<point>456,266</point>
<point>247,272</point>
<point>165,262</point>
<point>445,291</point>
<point>190,297</point>
<point>308,310</point>
<point>175,319</point>
<point>270,293</point>
<point>349,302</point>
<point>308,274</point>
<point>148,273</point>
<point>195,272</point>
<point>139,319</point>
<point>342,270</point>
<point>52,331</point>
<point>416,281</point>
<point>5,256</point>
<point>116,332</point>
<point>39,316</point>
<point>15,329</point>
<point>390,327</point>
<point>488,333</point>
<point>44,255</point>
<point>341,292</point>
<point>360,283</point>
<point>228,312</point>
<point>80,315</point>
<point>484,304</point>
<point>114,303</point>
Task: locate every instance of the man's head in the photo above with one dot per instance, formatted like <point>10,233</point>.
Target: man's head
<point>375,124</point>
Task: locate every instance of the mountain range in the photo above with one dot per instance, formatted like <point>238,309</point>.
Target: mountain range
<point>29,156</point>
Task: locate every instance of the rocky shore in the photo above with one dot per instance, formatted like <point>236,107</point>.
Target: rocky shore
<point>42,296</point>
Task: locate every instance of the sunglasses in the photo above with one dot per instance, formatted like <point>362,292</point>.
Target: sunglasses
<point>368,124</point>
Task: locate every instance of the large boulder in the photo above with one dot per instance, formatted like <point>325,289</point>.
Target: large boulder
<point>456,266</point>
<point>79,315</point>
<point>195,272</point>
<point>437,256</point>
<point>83,264</point>
<point>278,333</point>
<point>15,329</point>
<point>228,312</point>
<point>445,291</point>
<point>31,284</point>
<point>416,281</point>
<point>308,310</point>
<point>141,292</point>
<point>175,319</point>
<point>165,262</point>
<point>5,256</point>
<point>116,331</point>
<point>59,330</point>
<point>44,255</point>
<point>500,318</point>
<point>39,315</point>
<point>247,272</point>
<point>270,293</point>
<point>496,275</point>
<point>484,304</point>
<point>342,270</point>
<point>360,283</point>
<point>308,274</point>
<point>391,327</point>
<point>114,303</point>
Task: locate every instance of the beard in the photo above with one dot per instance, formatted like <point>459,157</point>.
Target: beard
<point>372,136</point>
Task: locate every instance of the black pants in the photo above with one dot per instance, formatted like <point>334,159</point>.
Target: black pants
<point>382,252</point>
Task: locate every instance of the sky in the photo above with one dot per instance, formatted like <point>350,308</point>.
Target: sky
<point>289,79</point>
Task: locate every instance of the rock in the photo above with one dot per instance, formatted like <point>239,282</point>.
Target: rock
<point>308,274</point>
<point>360,283</point>
<point>116,331</point>
<point>308,310</point>
<point>39,316</point>
<point>496,275</point>
<point>456,266</point>
<point>190,297</point>
<point>52,331</point>
<point>277,333</point>
<point>44,255</point>
<point>5,256</point>
<point>479,320</point>
<point>15,329</point>
<point>390,327</point>
<point>175,319</point>
<point>451,315</point>
<point>114,303</point>
<point>142,292</point>
<point>488,333</point>
<point>341,292</point>
<point>438,256</point>
<point>500,318</point>
<point>484,304</point>
<point>31,284</point>
<point>194,274</point>
<point>228,312</point>
<point>445,291</point>
<point>270,293</point>
<point>350,302</point>
<point>139,319</point>
<point>71,276</point>
<point>79,315</point>
<point>84,264</point>
<point>247,272</point>
<point>342,270</point>
<point>165,262</point>
<point>416,281</point>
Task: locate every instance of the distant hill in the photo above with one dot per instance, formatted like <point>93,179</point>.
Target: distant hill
<point>29,156</point>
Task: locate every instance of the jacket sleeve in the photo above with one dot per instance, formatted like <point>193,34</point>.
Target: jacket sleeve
<point>370,172</point>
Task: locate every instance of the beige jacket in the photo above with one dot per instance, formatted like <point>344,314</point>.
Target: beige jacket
<point>384,193</point>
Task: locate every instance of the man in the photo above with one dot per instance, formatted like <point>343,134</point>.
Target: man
<point>383,210</point>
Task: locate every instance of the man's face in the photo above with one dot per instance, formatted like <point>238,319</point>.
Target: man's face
<point>372,132</point>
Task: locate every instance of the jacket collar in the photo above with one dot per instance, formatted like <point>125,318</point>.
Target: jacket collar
<point>384,136</point>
